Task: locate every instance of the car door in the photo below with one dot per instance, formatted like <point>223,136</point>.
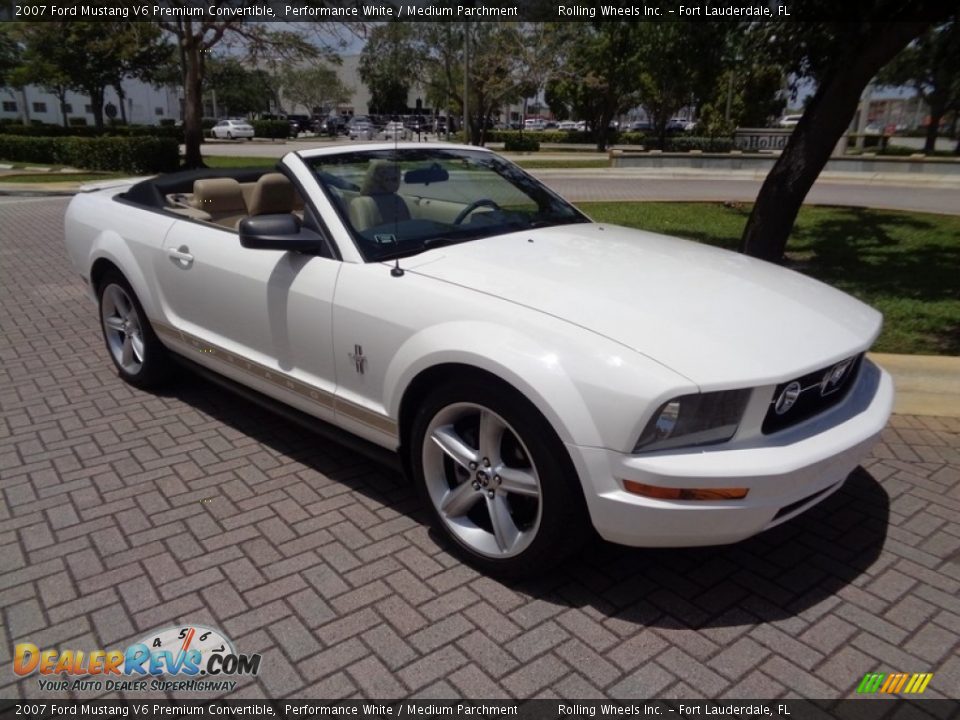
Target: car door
<point>262,317</point>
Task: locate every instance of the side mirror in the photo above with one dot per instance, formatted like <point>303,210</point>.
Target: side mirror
<point>278,232</point>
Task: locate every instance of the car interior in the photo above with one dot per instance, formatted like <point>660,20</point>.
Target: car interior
<point>219,197</point>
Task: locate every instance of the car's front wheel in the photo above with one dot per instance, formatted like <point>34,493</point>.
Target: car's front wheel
<point>496,479</point>
<point>136,352</point>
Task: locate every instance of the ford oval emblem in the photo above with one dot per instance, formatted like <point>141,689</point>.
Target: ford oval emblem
<point>788,398</point>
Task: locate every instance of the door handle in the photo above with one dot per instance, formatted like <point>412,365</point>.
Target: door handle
<point>181,255</point>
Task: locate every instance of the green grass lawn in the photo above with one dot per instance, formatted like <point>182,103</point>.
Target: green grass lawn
<point>907,265</point>
<point>231,161</point>
<point>51,177</point>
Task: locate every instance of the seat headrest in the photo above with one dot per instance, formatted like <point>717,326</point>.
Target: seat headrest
<point>218,195</point>
<point>273,193</point>
<point>382,178</point>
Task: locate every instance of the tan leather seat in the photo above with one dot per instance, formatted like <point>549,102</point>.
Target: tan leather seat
<point>273,193</point>
<point>221,198</point>
<point>378,202</point>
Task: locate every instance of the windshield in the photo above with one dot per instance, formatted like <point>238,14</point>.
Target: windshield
<point>400,202</point>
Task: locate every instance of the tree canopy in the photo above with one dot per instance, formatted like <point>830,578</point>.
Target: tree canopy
<point>315,87</point>
<point>239,90</point>
<point>195,41</point>
<point>389,66</point>
<point>86,57</point>
<point>840,59</point>
<point>931,65</point>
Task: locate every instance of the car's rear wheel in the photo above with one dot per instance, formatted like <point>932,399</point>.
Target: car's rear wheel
<point>497,480</point>
<point>136,352</point>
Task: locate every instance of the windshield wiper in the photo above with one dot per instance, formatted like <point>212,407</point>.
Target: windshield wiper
<point>428,244</point>
<point>436,242</point>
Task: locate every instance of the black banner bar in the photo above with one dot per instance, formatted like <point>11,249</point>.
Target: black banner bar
<point>454,11</point>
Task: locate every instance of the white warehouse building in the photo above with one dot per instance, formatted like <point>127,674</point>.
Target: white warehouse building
<point>145,104</point>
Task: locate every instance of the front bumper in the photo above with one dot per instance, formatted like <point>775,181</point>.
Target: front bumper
<point>786,473</point>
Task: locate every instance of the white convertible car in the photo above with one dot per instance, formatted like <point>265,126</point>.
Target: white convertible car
<point>537,372</point>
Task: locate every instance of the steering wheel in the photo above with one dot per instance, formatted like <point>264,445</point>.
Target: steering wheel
<point>485,202</point>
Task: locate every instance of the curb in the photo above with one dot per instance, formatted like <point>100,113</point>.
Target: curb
<point>925,384</point>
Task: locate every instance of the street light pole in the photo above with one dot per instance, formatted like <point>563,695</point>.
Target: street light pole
<point>466,81</point>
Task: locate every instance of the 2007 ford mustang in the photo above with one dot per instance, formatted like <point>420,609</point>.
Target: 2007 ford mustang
<point>538,373</point>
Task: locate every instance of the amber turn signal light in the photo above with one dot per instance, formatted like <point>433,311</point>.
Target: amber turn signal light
<point>662,493</point>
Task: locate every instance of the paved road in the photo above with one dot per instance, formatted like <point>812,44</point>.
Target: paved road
<point>582,186</point>
<point>123,512</point>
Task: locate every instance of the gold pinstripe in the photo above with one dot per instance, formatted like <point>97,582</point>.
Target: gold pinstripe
<point>328,400</point>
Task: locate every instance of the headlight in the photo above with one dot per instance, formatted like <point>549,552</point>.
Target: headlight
<point>702,419</point>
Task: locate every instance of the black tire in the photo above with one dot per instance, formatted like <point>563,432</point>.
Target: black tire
<point>561,525</point>
<point>154,366</point>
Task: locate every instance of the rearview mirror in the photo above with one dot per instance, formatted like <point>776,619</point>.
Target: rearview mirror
<point>426,175</point>
<point>278,232</point>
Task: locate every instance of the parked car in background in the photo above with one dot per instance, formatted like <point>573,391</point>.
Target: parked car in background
<point>299,124</point>
<point>438,301</point>
<point>442,124</point>
<point>361,127</point>
<point>640,126</point>
<point>332,125</point>
<point>232,129</point>
<point>534,124</point>
<point>567,125</point>
<point>395,130</point>
<point>416,124</point>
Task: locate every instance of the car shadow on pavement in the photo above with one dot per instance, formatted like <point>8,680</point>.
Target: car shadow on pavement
<point>795,569</point>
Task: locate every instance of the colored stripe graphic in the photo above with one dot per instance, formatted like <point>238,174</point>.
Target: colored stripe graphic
<point>893,683</point>
<point>871,682</point>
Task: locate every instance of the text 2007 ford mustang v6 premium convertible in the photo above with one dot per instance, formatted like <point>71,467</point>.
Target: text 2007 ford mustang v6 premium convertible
<point>537,372</point>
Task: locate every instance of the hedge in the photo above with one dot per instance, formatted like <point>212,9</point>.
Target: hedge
<point>277,129</point>
<point>521,144</point>
<point>142,155</point>
<point>90,131</point>
<point>674,143</point>
<point>566,136</point>
<point>686,143</point>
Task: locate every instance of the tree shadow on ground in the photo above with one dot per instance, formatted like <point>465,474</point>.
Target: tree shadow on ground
<point>859,248</point>
<point>776,575</point>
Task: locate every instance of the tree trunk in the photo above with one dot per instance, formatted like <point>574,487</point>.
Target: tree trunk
<point>937,111</point>
<point>96,103</point>
<point>827,116</point>
<point>602,130</point>
<point>122,98</point>
<point>26,107</point>
<point>62,97</point>
<point>193,106</point>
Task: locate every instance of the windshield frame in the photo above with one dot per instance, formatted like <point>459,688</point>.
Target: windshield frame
<point>510,172</point>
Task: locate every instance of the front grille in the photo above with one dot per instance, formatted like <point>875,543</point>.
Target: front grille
<point>809,395</point>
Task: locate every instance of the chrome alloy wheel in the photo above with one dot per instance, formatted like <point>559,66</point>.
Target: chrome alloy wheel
<point>122,327</point>
<point>482,480</point>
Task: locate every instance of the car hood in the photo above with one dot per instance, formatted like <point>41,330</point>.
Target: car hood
<point>717,317</point>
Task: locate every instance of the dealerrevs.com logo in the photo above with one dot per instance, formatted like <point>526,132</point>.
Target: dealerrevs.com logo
<point>200,659</point>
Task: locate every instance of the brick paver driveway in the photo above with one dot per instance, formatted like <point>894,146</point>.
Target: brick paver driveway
<point>125,512</point>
